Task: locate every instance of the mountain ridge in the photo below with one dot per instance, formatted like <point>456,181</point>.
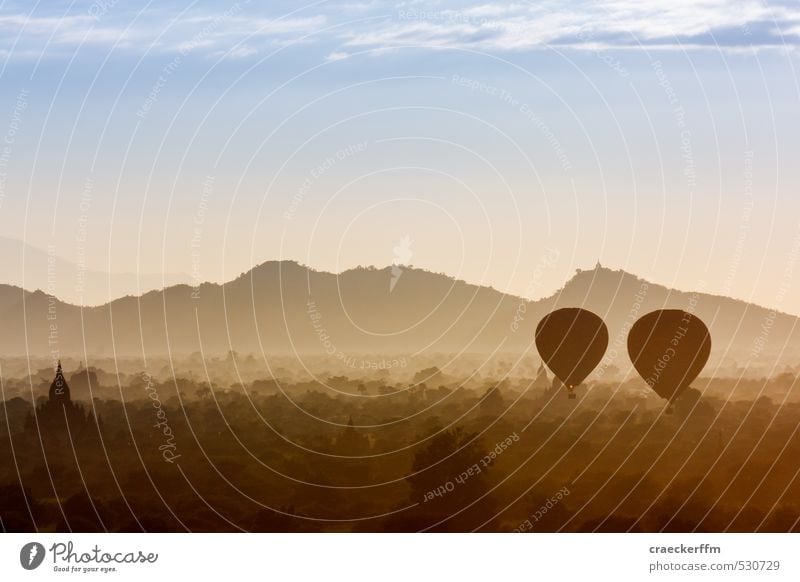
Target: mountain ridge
<point>32,268</point>
<point>285,307</point>
<point>245,274</point>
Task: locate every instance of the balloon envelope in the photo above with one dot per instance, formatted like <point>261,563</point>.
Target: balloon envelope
<point>669,348</point>
<point>572,342</point>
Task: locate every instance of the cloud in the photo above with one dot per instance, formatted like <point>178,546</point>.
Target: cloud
<point>191,45</point>
<point>240,52</point>
<point>27,24</point>
<point>337,56</point>
<point>609,24</point>
<point>379,26</point>
<point>164,30</point>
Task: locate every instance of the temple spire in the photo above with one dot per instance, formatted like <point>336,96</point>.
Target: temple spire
<point>59,389</point>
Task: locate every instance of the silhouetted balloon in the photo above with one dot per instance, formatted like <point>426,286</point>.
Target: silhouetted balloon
<point>572,342</point>
<point>669,348</point>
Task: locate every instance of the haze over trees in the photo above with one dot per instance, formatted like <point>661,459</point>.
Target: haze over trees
<point>407,449</point>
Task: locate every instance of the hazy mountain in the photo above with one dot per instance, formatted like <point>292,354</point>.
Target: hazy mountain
<point>279,307</point>
<point>31,268</point>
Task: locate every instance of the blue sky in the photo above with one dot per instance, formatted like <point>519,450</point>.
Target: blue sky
<point>659,137</point>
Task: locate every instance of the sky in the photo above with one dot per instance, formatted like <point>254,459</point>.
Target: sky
<point>506,144</point>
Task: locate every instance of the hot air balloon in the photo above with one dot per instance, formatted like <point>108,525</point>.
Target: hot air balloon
<point>571,342</point>
<point>669,348</point>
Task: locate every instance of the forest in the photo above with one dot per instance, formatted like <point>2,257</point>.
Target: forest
<point>397,445</point>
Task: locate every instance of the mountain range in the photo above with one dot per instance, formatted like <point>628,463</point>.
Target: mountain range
<point>282,306</point>
<point>30,267</point>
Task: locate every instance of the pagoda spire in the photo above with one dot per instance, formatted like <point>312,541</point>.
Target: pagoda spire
<point>59,389</point>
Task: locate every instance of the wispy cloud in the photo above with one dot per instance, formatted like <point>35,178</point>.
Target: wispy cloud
<point>62,30</point>
<point>380,26</point>
<point>608,24</point>
<point>42,25</point>
<point>239,52</point>
<point>337,56</point>
<point>212,32</point>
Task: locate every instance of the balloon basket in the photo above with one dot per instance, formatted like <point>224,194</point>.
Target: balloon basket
<point>571,396</point>
<point>670,409</point>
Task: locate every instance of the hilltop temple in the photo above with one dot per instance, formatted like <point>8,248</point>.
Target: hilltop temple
<point>59,416</point>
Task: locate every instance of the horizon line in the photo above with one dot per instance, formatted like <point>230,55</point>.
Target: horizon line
<point>312,269</point>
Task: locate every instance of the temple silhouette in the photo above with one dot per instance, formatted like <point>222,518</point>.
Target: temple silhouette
<point>59,418</point>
